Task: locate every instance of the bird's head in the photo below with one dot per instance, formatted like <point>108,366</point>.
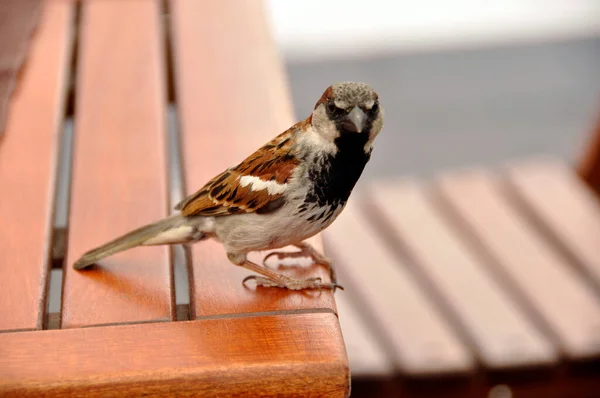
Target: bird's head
<point>348,109</point>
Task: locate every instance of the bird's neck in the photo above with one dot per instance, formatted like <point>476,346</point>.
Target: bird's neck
<point>335,175</point>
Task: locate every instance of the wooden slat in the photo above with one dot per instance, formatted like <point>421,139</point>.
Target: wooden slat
<point>232,98</point>
<point>542,276</point>
<point>293,355</point>
<point>27,172</point>
<point>564,204</point>
<point>502,333</point>
<point>422,343</point>
<point>119,168</point>
<point>18,20</point>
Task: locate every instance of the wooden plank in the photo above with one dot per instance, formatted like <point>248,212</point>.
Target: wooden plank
<point>119,167</point>
<point>295,355</point>
<point>18,20</point>
<point>501,332</point>
<point>230,103</point>
<point>543,277</point>
<point>28,156</point>
<point>421,342</point>
<point>567,208</point>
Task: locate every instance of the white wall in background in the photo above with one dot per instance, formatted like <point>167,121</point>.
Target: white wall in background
<point>318,29</point>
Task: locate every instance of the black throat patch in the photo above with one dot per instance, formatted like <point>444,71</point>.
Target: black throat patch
<point>337,174</point>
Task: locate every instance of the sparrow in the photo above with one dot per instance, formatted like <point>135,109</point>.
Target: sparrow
<point>287,191</point>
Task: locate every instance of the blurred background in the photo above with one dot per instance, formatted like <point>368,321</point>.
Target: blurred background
<point>461,81</point>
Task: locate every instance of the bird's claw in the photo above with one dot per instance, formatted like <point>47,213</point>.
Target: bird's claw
<point>279,255</point>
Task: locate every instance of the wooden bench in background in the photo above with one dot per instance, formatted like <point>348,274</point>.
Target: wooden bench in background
<point>481,282</point>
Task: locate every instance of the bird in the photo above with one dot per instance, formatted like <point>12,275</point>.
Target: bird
<point>288,190</point>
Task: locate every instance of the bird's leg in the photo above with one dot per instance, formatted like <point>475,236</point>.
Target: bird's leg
<point>271,278</point>
<point>306,250</point>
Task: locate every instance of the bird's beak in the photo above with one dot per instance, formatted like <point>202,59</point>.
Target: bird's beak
<point>355,120</point>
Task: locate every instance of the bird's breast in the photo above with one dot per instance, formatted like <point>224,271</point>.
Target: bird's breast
<point>332,177</point>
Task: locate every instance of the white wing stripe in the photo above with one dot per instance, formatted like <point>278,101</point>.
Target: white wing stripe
<point>256,184</point>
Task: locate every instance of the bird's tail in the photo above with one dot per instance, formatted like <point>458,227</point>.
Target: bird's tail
<point>171,230</point>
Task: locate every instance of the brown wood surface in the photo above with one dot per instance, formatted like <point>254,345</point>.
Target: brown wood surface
<point>232,98</point>
<point>290,355</point>
<point>542,276</point>
<point>421,342</point>
<point>564,205</point>
<point>502,334</point>
<point>589,164</point>
<point>28,155</point>
<point>18,21</point>
<point>119,167</point>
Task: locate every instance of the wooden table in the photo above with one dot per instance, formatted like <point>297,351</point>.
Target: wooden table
<point>114,68</point>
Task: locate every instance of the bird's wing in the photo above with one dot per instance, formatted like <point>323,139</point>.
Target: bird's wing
<point>257,184</point>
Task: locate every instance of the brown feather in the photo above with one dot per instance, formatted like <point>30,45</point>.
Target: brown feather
<point>223,195</point>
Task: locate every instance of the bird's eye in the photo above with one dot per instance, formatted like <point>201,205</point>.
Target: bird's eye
<point>375,107</point>
<point>331,107</point>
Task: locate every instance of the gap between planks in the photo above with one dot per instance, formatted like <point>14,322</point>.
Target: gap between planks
<point>180,257</point>
<point>59,238</point>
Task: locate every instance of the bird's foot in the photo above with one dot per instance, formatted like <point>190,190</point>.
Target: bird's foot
<point>306,250</point>
<point>292,284</point>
